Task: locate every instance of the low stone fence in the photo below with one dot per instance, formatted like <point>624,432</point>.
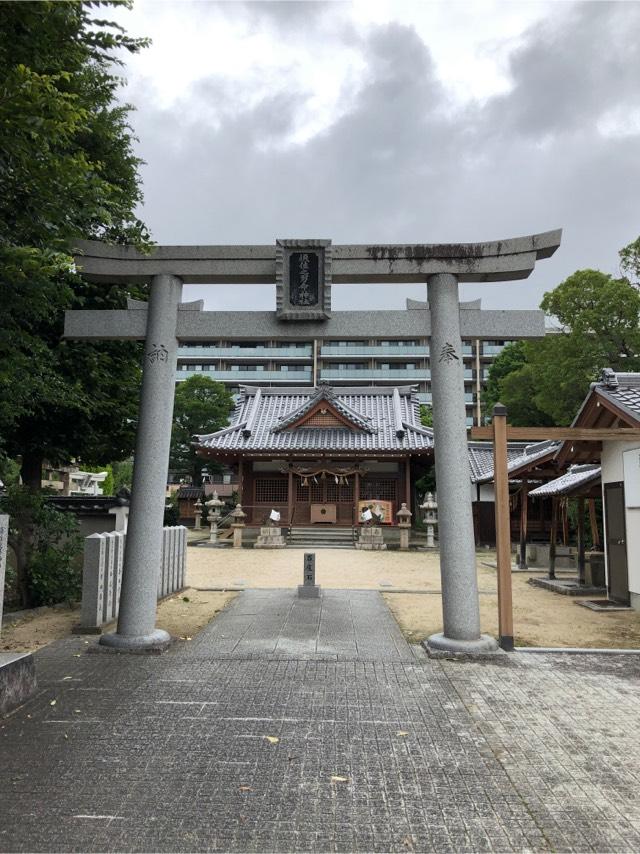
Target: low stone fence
<point>102,573</point>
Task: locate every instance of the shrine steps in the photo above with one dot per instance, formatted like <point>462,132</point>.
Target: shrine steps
<point>320,538</point>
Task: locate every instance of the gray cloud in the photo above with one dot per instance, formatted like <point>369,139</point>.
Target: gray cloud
<point>572,69</point>
<point>404,164</point>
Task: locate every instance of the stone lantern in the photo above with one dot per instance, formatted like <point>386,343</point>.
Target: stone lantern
<point>404,523</point>
<point>430,506</point>
<point>238,516</point>
<point>198,513</point>
<point>213,517</point>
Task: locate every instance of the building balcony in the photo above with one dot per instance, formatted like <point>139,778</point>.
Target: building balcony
<point>368,374</point>
<point>197,353</point>
<point>354,352</point>
<point>240,377</point>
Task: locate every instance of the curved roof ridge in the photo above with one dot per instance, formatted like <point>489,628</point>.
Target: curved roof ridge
<point>324,392</point>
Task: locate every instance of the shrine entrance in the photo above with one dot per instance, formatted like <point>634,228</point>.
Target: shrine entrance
<point>303,272</point>
<point>325,500</point>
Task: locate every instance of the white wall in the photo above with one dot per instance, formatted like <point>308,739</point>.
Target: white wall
<point>613,472</point>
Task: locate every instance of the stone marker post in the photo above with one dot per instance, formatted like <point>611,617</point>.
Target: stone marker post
<point>460,604</point>
<point>309,589</point>
<point>143,551</point>
<point>4,536</point>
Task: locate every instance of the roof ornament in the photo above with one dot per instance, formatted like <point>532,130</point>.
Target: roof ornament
<point>609,378</point>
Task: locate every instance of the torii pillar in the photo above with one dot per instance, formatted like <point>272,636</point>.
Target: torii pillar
<point>165,321</point>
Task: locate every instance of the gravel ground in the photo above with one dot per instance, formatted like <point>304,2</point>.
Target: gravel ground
<point>541,618</point>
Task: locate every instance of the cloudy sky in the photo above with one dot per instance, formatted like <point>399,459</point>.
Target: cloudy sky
<point>390,122</point>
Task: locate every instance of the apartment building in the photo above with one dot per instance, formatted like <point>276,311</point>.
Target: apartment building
<point>350,348</point>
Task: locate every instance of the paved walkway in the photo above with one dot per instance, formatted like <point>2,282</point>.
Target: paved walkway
<point>223,744</point>
<point>342,624</point>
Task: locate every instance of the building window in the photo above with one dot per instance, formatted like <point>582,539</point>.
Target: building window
<point>345,343</point>
<point>246,367</point>
<point>294,368</point>
<point>403,343</point>
<point>351,366</point>
<point>398,366</point>
<point>271,490</point>
<point>382,490</point>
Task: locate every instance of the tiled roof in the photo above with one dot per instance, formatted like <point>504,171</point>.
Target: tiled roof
<point>623,390</point>
<point>518,455</point>
<point>187,492</point>
<point>259,420</point>
<point>576,477</point>
<point>325,392</point>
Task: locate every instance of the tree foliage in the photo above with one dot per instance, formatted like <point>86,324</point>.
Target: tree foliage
<point>630,260</point>
<point>67,171</point>
<point>544,382</point>
<point>426,415</point>
<point>47,548</point>
<point>201,406</point>
<point>510,382</point>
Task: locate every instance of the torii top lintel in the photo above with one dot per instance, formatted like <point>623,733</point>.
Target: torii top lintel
<point>501,260</point>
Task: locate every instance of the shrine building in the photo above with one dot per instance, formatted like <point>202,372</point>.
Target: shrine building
<point>318,455</point>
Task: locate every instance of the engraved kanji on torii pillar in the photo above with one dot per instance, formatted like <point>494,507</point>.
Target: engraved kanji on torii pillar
<point>165,321</point>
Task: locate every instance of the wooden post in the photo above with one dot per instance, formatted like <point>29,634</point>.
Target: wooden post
<point>524,513</point>
<point>356,497</point>
<point>581,557</point>
<point>503,527</point>
<point>290,496</point>
<point>595,533</point>
<point>553,536</point>
<point>407,483</point>
<point>565,522</point>
<point>240,478</point>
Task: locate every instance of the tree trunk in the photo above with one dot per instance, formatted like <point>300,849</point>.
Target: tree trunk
<point>21,551</point>
<point>31,471</point>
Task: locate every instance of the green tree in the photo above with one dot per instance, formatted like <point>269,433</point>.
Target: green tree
<point>630,260</point>
<point>511,382</point>
<point>544,382</point>
<point>122,474</point>
<point>47,548</point>
<point>426,415</point>
<point>201,406</point>
<point>67,171</point>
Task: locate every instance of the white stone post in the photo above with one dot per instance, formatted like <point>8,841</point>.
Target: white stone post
<point>143,552</point>
<point>4,536</point>
<point>460,603</point>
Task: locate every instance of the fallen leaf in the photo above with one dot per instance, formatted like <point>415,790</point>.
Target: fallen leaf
<point>28,716</point>
<point>77,654</point>
<point>271,739</point>
<point>244,788</point>
<point>66,736</point>
<point>401,732</point>
<point>64,678</point>
<point>335,778</point>
<point>77,711</point>
<point>53,702</point>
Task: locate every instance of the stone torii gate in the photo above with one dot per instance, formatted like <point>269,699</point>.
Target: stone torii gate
<point>303,271</point>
